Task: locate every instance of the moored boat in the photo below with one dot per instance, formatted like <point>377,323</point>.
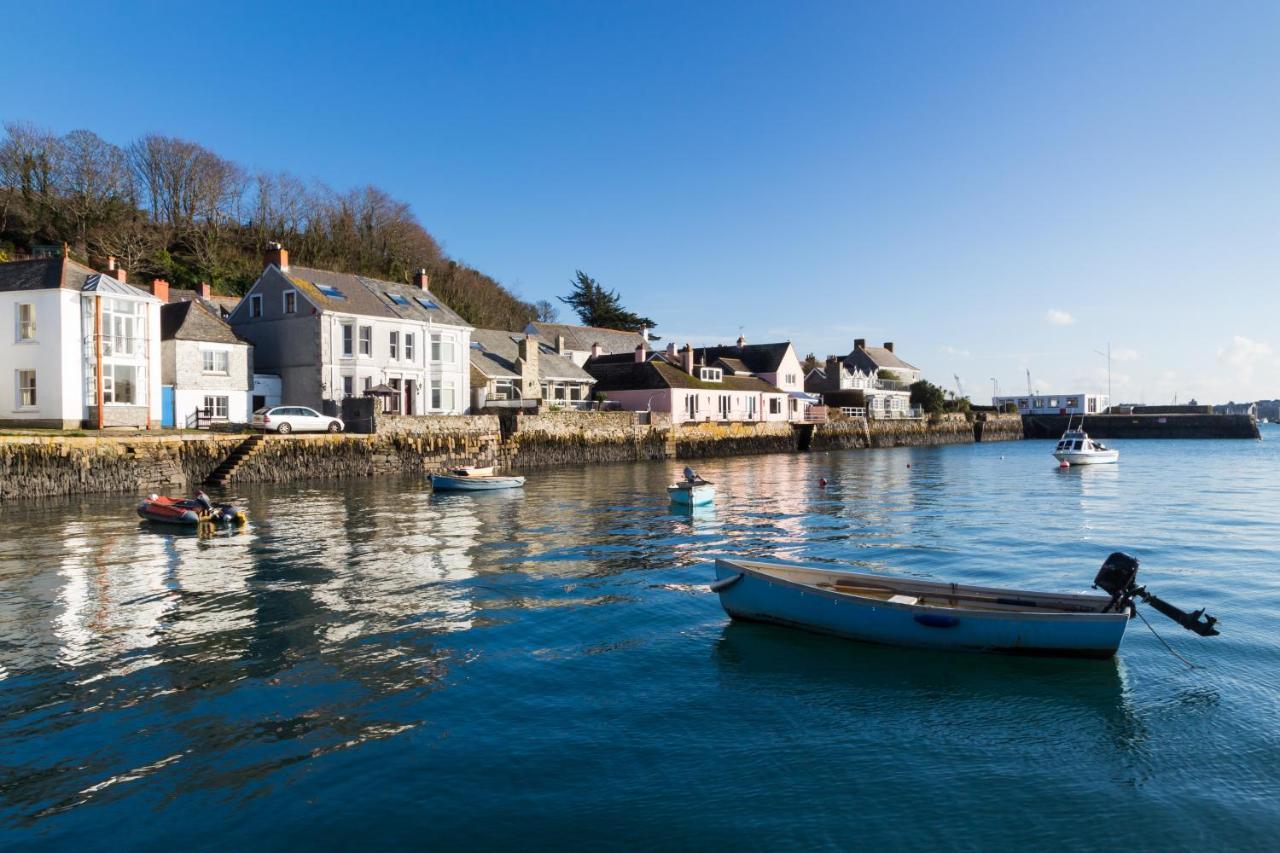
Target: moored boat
<point>189,511</point>
<point>1076,448</point>
<point>473,480</point>
<point>692,490</point>
<point>931,614</point>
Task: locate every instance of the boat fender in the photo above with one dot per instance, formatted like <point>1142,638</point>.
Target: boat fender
<point>725,583</point>
<point>934,620</point>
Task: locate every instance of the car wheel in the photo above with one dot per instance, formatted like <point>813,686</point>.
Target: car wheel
<point>284,429</point>
<point>334,426</point>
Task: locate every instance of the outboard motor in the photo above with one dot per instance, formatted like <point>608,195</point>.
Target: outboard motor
<point>1118,576</point>
<point>203,500</point>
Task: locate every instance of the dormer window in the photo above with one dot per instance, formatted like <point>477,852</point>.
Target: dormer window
<point>710,374</point>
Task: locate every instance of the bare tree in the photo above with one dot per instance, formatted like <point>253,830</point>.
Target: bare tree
<point>30,158</point>
<point>546,311</point>
<point>94,181</point>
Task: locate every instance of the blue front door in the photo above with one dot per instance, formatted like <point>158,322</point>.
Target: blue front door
<point>167,419</point>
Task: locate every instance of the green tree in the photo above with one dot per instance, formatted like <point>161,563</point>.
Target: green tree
<point>928,396</point>
<point>596,305</point>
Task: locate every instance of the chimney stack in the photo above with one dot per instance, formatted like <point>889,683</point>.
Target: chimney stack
<point>160,289</point>
<point>671,351</point>
<point>203,290</point>
<point>596,350</point>
<point>888,345</point>
<point>278,256</point>
<point>115,270</point>
<point>742,341</point>
<point>686,358</point>
<point>560,346</point>
<point>527,367</point>
<point>860,343</point>
<point>421,280</point>
<point>642,353</point>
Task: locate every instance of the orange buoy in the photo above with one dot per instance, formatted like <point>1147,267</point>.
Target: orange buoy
<point>1064,464</point>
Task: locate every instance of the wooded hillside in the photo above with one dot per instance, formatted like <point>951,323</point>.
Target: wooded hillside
<point>173,209</point>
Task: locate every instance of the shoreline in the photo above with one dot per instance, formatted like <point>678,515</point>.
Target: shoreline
<point>50,466</point>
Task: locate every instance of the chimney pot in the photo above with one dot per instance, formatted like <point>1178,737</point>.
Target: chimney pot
<point>671,351</point>
<point>278,256</point>
<point>160,289</point>
<point>596,350</point>
<point>888,345</point>
<point>203,290</point>
<point>641,353</point>
<point>421,279</point>
<point>686,358</point>
<point>742,341</point>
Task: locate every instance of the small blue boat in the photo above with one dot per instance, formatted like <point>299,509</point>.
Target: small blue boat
<point>473,480</point>
<point>924,614</point>
<point>692,490</point>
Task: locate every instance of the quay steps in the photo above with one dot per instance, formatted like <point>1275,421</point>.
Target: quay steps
<point>224,472</point>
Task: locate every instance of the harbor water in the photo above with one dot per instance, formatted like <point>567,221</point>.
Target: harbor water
<point>368,664</point>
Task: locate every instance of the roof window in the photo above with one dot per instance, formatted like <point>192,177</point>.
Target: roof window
<point>330,291</point>
<point>426,303</point>
<point>397,298</point>
<point>710,374</point>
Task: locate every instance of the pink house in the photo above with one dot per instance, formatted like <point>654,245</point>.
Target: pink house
<point>688,388</point>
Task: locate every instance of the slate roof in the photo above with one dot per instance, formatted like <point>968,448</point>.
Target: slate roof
<point>581,338</point>
<point>224,305</point>
<point>496,357</point>
<point>657,374</point>
<point>759,358</point>
<point>734,365</point>
<point>195,320</point>
<point>871,359</point>
<point>60,273</point>
<point>368,296</point>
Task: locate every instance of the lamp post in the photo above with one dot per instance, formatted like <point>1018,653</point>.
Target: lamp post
<point>995,389</point>
<point>1107,356</point>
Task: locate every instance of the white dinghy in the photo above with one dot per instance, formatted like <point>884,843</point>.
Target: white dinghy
<point>1076,448</point>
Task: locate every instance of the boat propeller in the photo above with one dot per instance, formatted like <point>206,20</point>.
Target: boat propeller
<point>1118,577</point>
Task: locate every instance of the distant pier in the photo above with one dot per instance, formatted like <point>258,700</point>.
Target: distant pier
<point>1146,426</point>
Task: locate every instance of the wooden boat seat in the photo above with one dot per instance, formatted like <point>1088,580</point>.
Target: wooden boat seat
<point>959,602</point>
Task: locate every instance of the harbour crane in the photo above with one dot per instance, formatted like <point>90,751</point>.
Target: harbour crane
<point>959,386</point>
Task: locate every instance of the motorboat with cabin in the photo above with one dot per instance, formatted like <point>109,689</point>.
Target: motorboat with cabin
<point>905,611</point>
<point>1076,448</point>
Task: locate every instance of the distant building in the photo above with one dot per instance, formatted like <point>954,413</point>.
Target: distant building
<point>515,370</point>
<point>1233,408</point>
<point>54,308</point>
<point>1054,404</point>
<point>330,335</point>
<point>579,342</point>
<point>872,378</point>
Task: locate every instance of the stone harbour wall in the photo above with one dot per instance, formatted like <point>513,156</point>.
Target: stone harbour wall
<point>60,465</point>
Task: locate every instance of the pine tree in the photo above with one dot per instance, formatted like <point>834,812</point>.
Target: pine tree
<point>596,305</point>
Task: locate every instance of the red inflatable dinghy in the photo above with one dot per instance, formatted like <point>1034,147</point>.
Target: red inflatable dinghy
<point>197,510</point>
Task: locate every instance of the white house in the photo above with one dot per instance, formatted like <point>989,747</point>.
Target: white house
<point>1054,404</point>
<point>63,320</point>
<point>330,335</point>
<point>206,370</point>
<point>869,377</point>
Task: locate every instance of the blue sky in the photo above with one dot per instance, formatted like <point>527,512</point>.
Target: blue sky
<point>996,187</point>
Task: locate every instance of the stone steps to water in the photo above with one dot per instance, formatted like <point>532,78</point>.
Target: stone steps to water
<point>244,450</point>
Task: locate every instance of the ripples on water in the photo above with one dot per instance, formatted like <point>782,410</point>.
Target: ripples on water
<point>369,663</point>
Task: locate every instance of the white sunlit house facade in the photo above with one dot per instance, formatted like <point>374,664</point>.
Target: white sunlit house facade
<point>51,347</point>
<point>331,335</point>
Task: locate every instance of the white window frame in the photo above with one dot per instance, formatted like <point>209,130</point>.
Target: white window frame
<point>348,386</point>
<point>393,340</point>
<point>438,389</point>
<point>255,306</point>
<point>285,300</point>
<point>219,401</point>
<point>408,346</point>
<point>209,362</point>
<point>364,336</point>
<point>348,340</point>
<point>20,388</point>
<point>442,344</point>
<point>710,374</point>
<point>109,384</point>
<point>25,330</point>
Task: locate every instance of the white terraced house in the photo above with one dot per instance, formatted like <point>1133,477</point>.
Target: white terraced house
<point>331,335</point>
<point>62,319</point>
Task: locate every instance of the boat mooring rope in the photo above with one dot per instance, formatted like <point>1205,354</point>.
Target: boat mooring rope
<point>1162,640</point>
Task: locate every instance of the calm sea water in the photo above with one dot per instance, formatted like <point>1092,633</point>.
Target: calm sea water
<point>369,664</point>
